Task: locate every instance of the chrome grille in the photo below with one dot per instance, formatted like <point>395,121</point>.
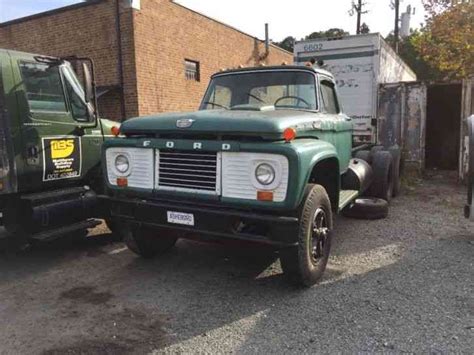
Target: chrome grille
<point>188,170</point>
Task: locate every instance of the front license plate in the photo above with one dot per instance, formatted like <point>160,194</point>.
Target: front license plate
<point>181,218</point>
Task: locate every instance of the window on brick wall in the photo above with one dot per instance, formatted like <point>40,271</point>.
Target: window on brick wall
<point>191,70</point>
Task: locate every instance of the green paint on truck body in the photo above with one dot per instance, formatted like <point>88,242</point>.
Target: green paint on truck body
<point>249,128</point>
<point>29,126</point>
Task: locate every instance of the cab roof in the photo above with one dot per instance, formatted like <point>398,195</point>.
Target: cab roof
<point>275,68</point>
<point>14,53</point>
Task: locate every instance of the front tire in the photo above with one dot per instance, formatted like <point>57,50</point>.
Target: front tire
<point>115,228</point>
<point>306,263</point>
<point>147,242</point>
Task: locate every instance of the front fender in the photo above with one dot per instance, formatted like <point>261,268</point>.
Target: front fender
<point>310,153</point>
<point>107,127</point>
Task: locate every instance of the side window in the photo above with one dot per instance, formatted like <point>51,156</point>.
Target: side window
<point>329,97</point>
<point>44,90</point>
<point>75,94</point>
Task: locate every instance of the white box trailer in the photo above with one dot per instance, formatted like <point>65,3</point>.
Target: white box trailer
<point>360,64</point>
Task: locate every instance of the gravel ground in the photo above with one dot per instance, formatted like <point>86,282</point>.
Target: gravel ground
<point>403,284</point>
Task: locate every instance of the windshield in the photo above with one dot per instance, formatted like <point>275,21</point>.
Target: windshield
<point>282,89</point>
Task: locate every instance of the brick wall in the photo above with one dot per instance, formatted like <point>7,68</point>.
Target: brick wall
<point>155,42</point>
<point>166,34</point>
<point>82,30</point>
<point>109,105</point>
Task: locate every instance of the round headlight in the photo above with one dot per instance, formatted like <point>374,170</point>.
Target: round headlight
<point>265,174</point>
<point>122,164</point>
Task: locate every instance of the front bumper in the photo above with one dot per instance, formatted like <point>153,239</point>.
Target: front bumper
<point>210,221</point>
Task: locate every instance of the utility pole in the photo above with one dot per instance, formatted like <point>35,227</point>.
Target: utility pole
<point>357,9</point>
<point>359,15</point>
<point>396,32</point>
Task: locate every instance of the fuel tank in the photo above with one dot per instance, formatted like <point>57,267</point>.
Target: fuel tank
<point>358,176</point>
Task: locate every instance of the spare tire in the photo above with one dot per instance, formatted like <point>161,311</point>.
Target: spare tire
<point>382,184</point>
<point>367,208</point>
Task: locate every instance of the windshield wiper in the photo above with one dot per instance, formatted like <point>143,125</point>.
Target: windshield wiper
<point>255,97</point>
<point>215,104</point>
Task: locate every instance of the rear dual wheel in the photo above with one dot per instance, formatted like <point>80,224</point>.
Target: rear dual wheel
<point>306,263</point>
<point>378,158</point>
<point>382,184</point>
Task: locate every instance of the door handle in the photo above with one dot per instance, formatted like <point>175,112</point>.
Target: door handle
<point>32,155</point>
<point>32,151</point>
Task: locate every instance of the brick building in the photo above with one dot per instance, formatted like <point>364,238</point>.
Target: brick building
<point>150,55</point>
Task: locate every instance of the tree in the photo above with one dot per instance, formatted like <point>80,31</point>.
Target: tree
<point>433,7</point>
<point>364,28</point>
<point>446,42</point>
<point>408,52</point>
<point>287,44</point>
<point>331,33</point>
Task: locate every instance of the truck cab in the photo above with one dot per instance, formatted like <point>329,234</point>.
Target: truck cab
<point>267,158</point>
<point>50,145</point>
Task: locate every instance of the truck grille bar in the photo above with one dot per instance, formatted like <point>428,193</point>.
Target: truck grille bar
<point>188,170</point>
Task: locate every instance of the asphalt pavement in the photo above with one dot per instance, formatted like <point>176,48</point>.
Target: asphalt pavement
<point>403,284</point>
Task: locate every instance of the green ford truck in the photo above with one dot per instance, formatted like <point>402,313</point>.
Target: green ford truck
<point>50,146</point>
<point>268,158</point>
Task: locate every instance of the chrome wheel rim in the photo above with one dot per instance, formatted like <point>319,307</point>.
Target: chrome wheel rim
<point>319,235</point>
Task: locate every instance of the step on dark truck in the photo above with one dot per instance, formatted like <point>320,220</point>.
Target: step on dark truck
<point>50,146</point>
<point>268,158</point>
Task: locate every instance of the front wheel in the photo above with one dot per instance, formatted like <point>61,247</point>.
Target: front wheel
<point>306,263</point>
<point>147,242</point>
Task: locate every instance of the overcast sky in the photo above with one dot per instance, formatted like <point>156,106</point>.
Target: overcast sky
<point>296,17</point>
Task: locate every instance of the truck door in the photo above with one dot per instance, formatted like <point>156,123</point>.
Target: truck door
<point>341,125</point>
<point>53,149</point>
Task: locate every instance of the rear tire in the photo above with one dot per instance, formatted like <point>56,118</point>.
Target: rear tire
<point>382,184</point>
<point>306,263</point>
<point>376,148</point>
<point>367,208</point>
<point>365,155</point>
<point>146,241</point>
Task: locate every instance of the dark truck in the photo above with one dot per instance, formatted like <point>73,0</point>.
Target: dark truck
<point>50,146</point>
<point>268,158</point>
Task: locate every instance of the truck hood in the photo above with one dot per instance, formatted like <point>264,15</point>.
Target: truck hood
<point>268,124</point>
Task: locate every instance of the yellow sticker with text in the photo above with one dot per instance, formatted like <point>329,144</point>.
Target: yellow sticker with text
<point>62,148</point>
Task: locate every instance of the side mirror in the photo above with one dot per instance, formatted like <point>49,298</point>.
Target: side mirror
<point>88,85</point>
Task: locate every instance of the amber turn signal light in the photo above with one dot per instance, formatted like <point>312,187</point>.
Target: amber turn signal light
<point>264,196</point>
<point>115,130</point>
<point>122,182</point>
<point>289,134</point>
